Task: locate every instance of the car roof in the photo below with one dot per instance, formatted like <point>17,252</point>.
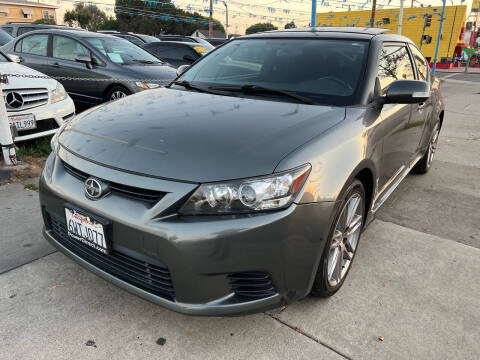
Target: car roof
<point>190,44</point>
<point>79,33</point>
<point>331,32</point>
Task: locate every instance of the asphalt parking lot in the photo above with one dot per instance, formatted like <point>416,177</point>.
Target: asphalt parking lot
<point>413,291</point>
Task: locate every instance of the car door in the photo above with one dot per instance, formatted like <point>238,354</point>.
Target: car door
<point>33,50</point>
<point>420,112</point>
<point>62,63</point>
<point>399,144</point>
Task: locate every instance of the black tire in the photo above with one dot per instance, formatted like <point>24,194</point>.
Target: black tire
<point>424,164</point>
<point>114,93</point>
<point>321,286</point>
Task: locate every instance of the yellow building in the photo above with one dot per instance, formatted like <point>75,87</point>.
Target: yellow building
<point>413,21</point>
<point>25,11</point>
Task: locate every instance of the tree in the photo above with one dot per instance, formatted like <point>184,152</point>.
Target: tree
<point>86,16</point>
<point>290,25</point>
<point>45,21</point>
<point>260,27</point>
<point>159,17</point>
<point>110,24</point>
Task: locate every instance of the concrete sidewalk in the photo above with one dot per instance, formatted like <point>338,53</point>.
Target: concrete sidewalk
<point>414,283</point>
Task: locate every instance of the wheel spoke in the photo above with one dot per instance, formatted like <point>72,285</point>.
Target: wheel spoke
<point>354,225</point>
<point>352,208</point>
<point>332,262</point>
<point>339,265</point>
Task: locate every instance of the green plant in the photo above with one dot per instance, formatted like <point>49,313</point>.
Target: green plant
<point>36,148</point>
<point>260,27</point>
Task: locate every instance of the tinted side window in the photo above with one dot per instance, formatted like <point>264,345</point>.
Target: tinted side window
<point>67,49</point>
<point>164,51</point>
<point>8,29</point>
<point>421,62</point>
<point>133,39</point>
<point>23,30</point>
<point>181,51</point>
<point>394,64</point>
<point>33,44</point>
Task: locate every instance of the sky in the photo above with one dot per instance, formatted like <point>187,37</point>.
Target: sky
<point>243,13</point>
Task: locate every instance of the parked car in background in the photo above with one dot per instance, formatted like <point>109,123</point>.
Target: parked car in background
<point>137,39</point>
<point>217,41</point>
<point>90,56</point>
<point>5,37</point>
<point>246,184</point>
<point>184,38</point>
<point>176,53</point>
<point>17,29</point>
<point>35,107</point>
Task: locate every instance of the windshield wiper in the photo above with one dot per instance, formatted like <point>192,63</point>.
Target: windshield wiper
<point>146,61</point>
<point>261,89</point>
<point>189,86</point>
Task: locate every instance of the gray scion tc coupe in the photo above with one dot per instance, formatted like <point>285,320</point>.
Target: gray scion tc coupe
<point>247,182</point>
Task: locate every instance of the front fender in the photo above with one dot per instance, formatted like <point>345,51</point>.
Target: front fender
<point>338,155</point>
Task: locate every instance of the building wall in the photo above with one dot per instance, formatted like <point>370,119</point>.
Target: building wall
<point>107,6</point>
<point>413,20</point>
<point>15,13</point>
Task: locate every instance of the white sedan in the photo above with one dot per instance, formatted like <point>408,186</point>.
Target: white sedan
<point>36,106</point>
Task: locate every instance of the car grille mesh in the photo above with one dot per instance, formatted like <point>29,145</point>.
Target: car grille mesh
<point>124,190</point>
<point>151,278</point>
<point>31,98</point>
<point>252,285</point>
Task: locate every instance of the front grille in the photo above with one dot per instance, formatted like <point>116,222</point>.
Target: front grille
<point>42,125</point>
<point>68,117</point>
<point>124,190</point>
<point>252,284</point>
<point>152,278</point>
<point>31,98</point>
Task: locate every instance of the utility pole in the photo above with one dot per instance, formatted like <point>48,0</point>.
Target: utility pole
<point>314,13</point>
<point>400,18</point>
<point>439,36</point>
<point>372,17</point>
<point>226,19</point>
<point>210,21</point>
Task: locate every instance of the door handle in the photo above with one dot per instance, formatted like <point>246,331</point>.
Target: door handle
<point>56,65</point>
<point>421,106</point>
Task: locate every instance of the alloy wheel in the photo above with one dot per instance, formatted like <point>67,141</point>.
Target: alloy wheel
<point>433,146</point>
<point>345,239</point>
<point>117,95</point>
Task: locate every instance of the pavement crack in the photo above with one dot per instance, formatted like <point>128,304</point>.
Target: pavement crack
<point>311,337</point>
<point>28,262</point>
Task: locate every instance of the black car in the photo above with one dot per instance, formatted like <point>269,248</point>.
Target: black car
<point>247,183</point>
<point>17,29</point>
<point>184,38</point>
<point>109,67</point>
<point>137,39</point>
<point>176,53</point>
<point>217,41</point>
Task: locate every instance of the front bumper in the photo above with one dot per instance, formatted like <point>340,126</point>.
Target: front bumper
<point>200,254</point>
<point>49,118</point>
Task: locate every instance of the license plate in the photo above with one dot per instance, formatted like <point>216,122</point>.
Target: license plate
<point>23,122</point>
<point>86,230</point>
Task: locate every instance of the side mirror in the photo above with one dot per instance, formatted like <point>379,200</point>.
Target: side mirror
<point>15,58</point>
<point>84,59</point>
<point>407,92</point>
<point>189,58</point>
<point>181,69</point>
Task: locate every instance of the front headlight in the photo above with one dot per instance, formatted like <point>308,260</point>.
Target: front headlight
<point>59,93</point>
<point>248,195</point>
<point>145,85</point>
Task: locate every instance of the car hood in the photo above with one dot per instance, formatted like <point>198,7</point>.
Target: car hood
<point>195,137</point>
<point>150,72</point>
<point>21,82</point>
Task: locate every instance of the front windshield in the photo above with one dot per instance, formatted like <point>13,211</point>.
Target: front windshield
<point>122,51</point>
<point>324,71</point>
